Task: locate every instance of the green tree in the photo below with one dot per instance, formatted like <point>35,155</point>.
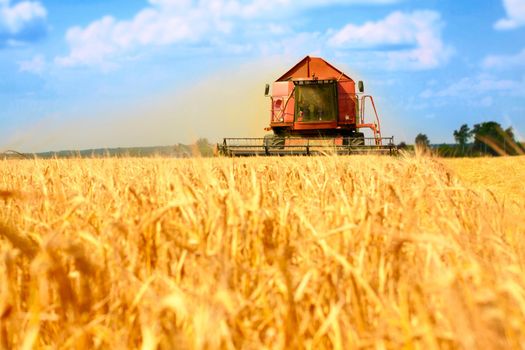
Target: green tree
<point>422,141</point>
<point>489,137</point>
<point>463,135</point>
<point>402,145</point>
<point>510,133</point>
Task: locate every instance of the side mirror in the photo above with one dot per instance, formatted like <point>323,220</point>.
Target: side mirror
<point>361,86</point>
<point>267,90</point>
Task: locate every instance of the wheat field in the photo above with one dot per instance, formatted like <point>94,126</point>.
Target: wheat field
<point>277,253</point>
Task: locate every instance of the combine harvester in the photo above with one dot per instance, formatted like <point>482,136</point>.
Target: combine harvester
<point>315,110</point>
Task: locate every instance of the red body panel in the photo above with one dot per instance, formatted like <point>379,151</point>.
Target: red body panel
<point>314,67</point>
<point>347,102</point>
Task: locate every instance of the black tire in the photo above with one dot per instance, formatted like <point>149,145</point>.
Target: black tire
<point>354,139</point>
<point>360,138</point>
<point>274,141</point>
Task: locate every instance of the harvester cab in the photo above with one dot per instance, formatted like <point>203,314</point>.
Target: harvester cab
<point>315,109</point>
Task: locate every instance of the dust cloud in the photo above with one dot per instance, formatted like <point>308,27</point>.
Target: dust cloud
<point>229,103</point>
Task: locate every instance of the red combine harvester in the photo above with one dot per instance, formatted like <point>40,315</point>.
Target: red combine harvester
<point>315,109</point>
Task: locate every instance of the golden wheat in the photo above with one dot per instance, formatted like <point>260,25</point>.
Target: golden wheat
<point>325,252</point>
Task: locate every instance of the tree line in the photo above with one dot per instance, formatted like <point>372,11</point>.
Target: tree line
<point>487,138</point>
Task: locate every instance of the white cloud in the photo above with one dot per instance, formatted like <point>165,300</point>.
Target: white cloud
<point>36,65</point>
<point>167,22</point>
<point>480,86</point>
<point>14,18</point>
<point>151,26</point>
<point>515,15</point>
<point>505,61</point>
<point>402,40</point>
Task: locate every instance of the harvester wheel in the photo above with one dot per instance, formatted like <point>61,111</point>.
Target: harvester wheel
<point>274,141</point>
<point>360,138</point>
<point>355,139</point>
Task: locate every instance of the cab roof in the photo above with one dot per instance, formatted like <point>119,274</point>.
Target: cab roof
<point>314,68</point>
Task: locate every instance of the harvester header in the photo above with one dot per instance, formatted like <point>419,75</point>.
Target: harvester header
<point>315,109</point>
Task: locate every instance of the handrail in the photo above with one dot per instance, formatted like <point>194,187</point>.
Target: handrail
<point>376,128</point>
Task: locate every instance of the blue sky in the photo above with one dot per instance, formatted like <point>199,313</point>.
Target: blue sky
<point>102,73</point>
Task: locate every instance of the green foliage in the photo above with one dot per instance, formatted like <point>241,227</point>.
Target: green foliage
<point>402,146</point>
<point>491,138</point>
<point>422,141</point>
<point>456,151</point>
<point>463,135</point>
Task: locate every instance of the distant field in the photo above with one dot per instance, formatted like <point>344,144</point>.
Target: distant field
<point>504,176</point>
<point>315,253</point>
